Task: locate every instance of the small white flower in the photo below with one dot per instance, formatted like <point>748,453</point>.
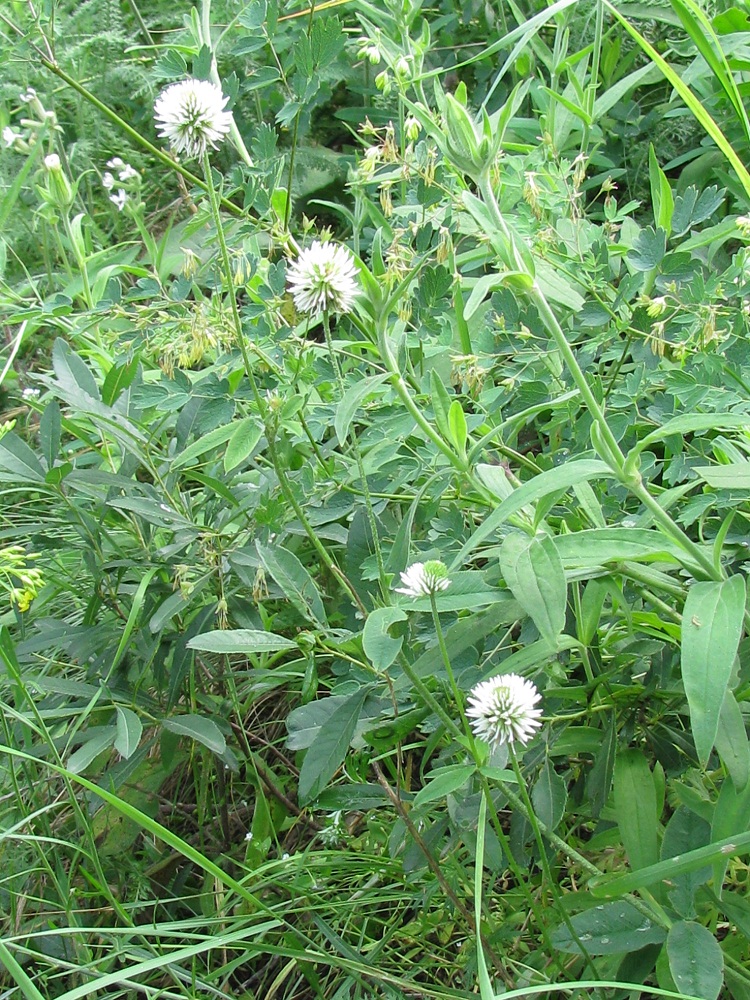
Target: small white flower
<point>127,172</point>
<point>52,162</point>
<point>191,115</point>
<point>119,199</point>
<point>30,393</point>
<point>10,137</point>
<point>323,277</point>
<point>423,579</point>
<point>28,97</point>
<point>249,836</point>
<point>108,180</point>
<point>115,162</point>
<point>502,710</point>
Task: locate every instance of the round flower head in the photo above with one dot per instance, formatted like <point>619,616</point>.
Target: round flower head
<point>423,579</point>
<point>323,277</point>
<point>191,115</point>
<point>502,710</point>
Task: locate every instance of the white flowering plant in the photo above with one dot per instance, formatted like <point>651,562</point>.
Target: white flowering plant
<point>374,462</point>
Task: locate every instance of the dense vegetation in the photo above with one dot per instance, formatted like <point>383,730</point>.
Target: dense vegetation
<point>239,757</point>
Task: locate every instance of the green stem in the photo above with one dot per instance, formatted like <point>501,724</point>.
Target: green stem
<point>429,699</point>
<point>81,262</point>
<point>534,823</point>
<point>605,441</point>
<point>371,519</point>
<point>458,697</point>
<point>234,132</point>
<point>262,406</point>
<point>574,855</point>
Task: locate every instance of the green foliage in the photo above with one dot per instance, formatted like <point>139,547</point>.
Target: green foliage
<point>235,755</point>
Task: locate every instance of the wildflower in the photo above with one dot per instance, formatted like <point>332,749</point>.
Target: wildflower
<point>115,162</point>
<point>324,277</point>
<point>424,579</point>
<point>28,97</point>
<point>191,115</point>
<point>52,162</point>
<point>657,306</point>
<point>108,180</point>
<point>119,199</point>
<point>10,137</point>
<point>127,173</point>
<point>502,710</point>
<point>412,128</point>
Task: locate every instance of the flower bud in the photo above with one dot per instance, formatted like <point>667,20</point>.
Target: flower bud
<point>401,69</point>
<point>58,187</point>
<point>412,128</point>
<point>383,82</point>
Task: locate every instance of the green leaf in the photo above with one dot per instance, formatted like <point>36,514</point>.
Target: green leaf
<point>50,430</point>
<point>129,730</point>
<point>119,378</point>
<point>534,573</point>
<point>240,640</point>
<point>598,546</point>
<point>441,403</point>
<point>72,373</point>
<point>561,478</point>
<point>450,780</point>
<point>661,193</point>
<point>18,458</point>
<point>610,929</point>
<point>711,630</point>
<point>607,886</point>
<point>457,426</point>
<point>648,249</point>
<point>296,583</point>
<point>380,647</point>
<point>329,748</point>
<point>213,439</point>
<point>600,777</point>
<point>549,796</point>
<point>732,743</point>
<point>91,749</point>
<point>350,402</point>
<point>198,728</point>
<point>695,960</point>
<point>635,808</point>
<point>247,433</point>
<point>735,476</point>
<point>685,832</point>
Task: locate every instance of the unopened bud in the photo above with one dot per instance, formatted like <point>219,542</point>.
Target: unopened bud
<point>58,187</point>
<point>412,128</point>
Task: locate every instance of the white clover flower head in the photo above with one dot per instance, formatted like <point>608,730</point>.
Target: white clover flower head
<point>323,278</point>
<point>119,199</point>
<point>108,180</point>
<point>191,115</point>
<point>424,579</point>
<point>502,710</point>
<point>52,162</point>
